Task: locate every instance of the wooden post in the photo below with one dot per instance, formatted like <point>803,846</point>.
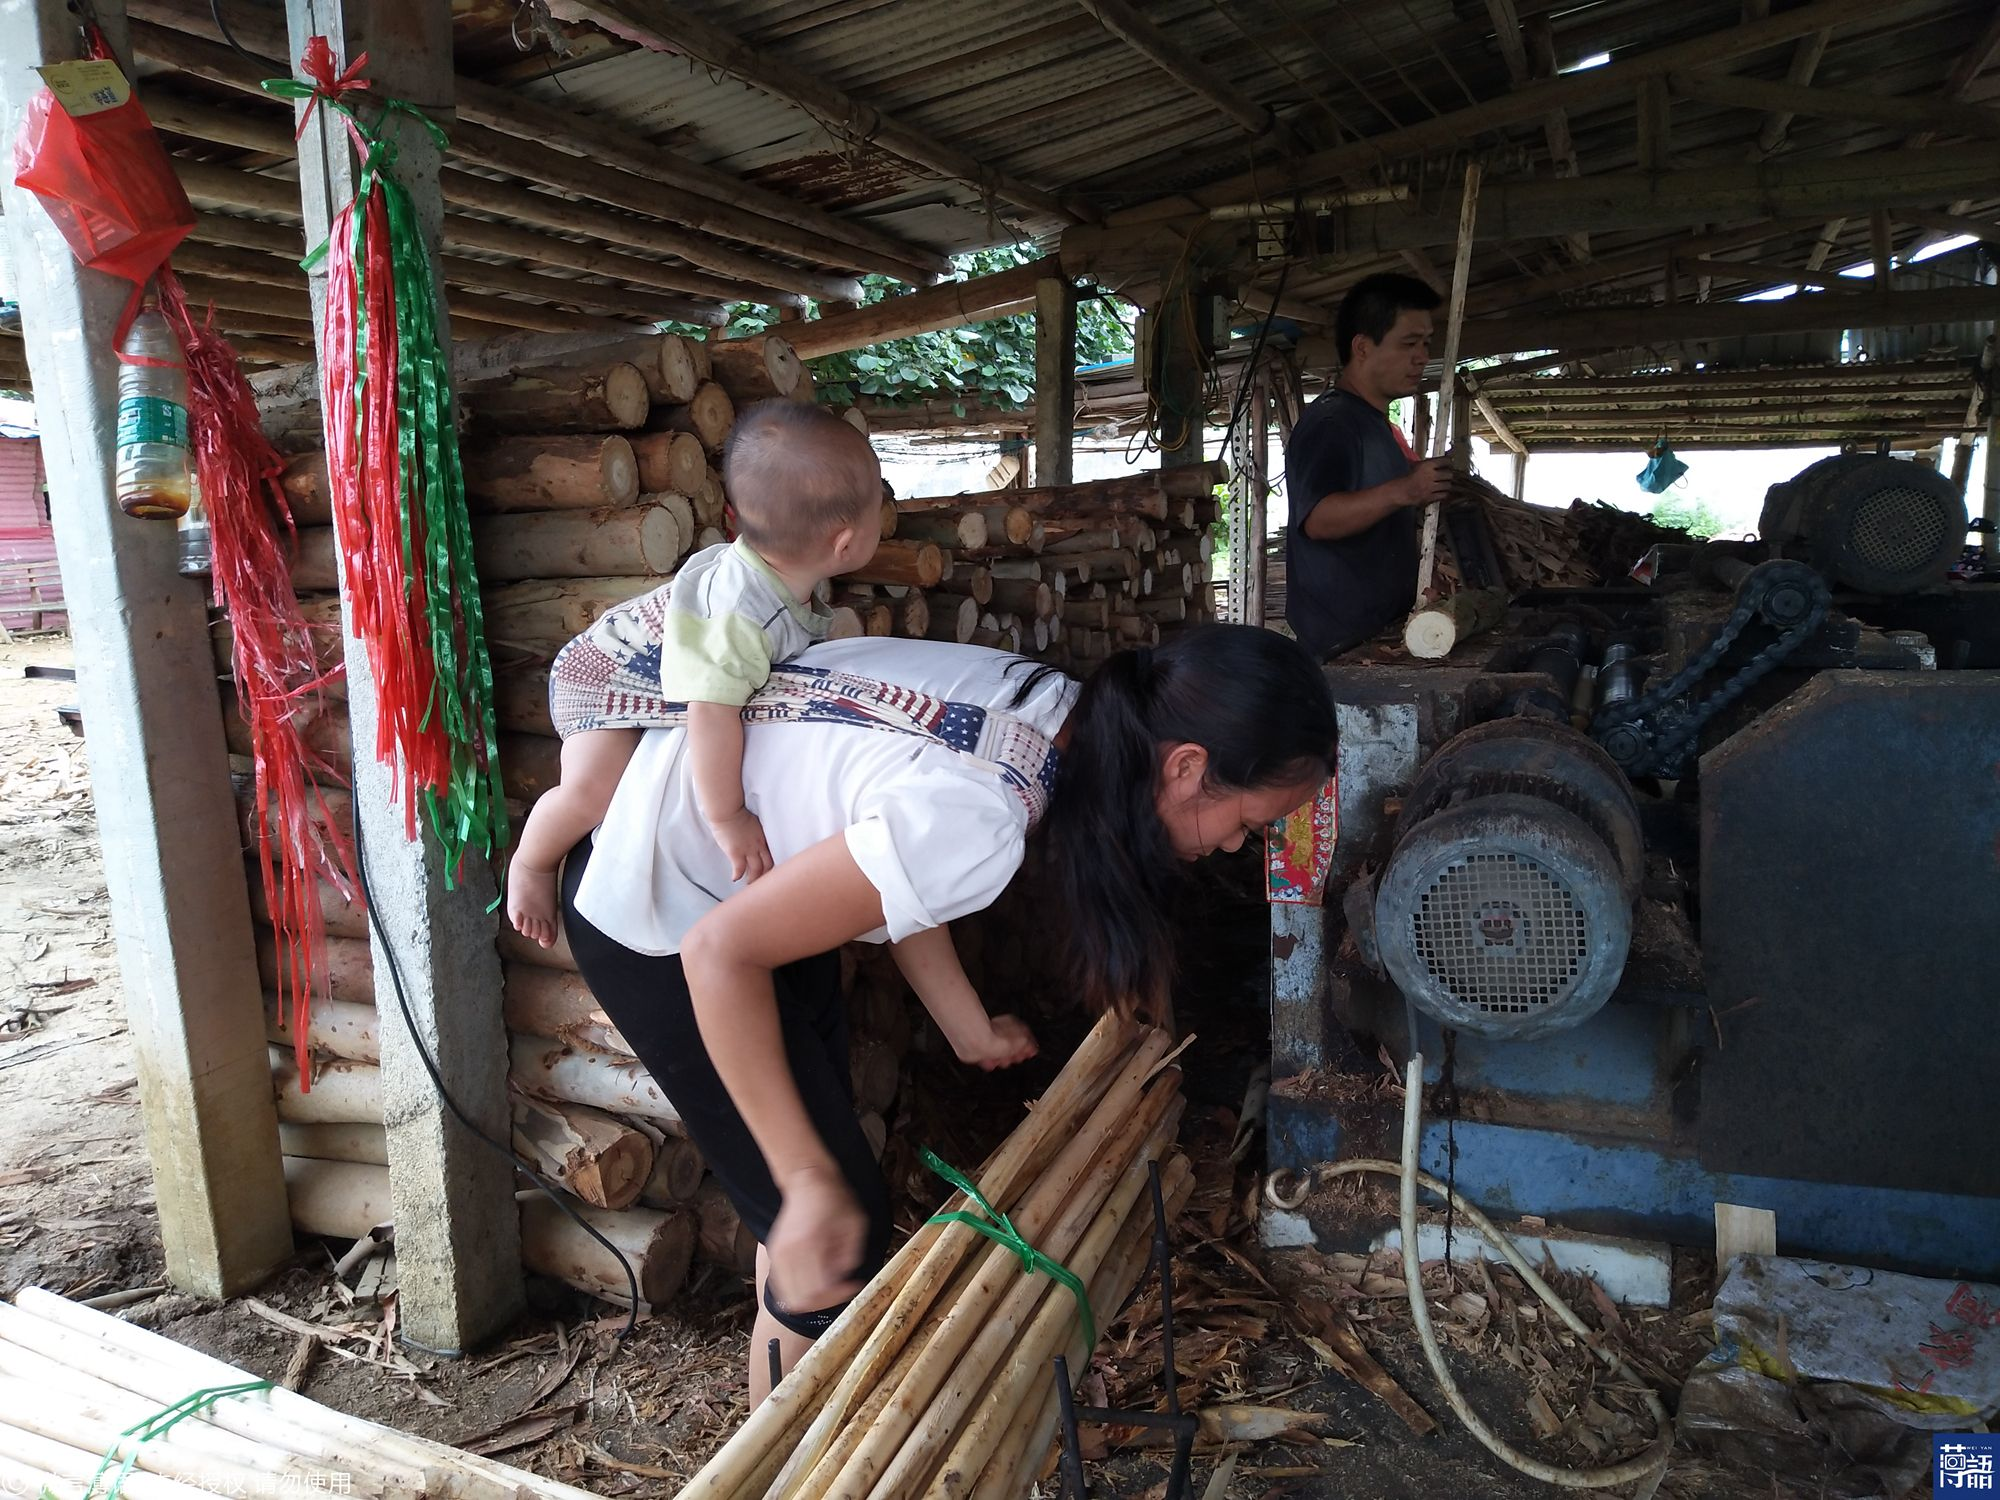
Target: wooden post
<point>165,821</point>
<point>1991,541</point>
<point>1521,474</point>
<point>1055,380</point>
<point>458,1248</point>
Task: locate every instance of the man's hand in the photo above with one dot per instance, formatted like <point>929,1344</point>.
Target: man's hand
<point>1005,1042</point>
<point>1427,482</point>
<point>741,837</point>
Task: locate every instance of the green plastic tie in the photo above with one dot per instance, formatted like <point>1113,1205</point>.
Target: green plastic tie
<point>158,1425</point>
<point>997,1227</point>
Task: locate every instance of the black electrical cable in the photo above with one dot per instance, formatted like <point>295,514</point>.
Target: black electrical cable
<point>1257,349</point>
<point>437,1082</point>
<point>215,10</point>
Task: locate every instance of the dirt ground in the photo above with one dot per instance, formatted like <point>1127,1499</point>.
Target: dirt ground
<point>565,1396</point>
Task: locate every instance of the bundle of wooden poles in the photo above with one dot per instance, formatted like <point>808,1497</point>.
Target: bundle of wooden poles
<point>938,1379</point>
<point>77,1384</point>
<point>590,477</point>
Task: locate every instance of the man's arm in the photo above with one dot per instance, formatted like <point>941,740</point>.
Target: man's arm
<point>1350,513</point>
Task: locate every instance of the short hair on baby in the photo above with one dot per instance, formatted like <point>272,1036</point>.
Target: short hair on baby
<point>796,474</point>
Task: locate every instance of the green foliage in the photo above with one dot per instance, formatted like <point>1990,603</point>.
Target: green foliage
<point>1697,517</point>
<point>991,364</point>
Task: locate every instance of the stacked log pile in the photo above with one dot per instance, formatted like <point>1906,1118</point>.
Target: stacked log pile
<point>590,477</point>
<point>1066,573</point>
<point>936,1381</point>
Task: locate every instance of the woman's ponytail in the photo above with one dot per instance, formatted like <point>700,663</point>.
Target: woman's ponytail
<point>1254,700</point>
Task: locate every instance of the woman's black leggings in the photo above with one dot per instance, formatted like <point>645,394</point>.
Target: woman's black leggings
<point>647,999</point>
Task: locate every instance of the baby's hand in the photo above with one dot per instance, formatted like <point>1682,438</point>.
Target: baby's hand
<point>741,837</point>
<point>1006,1041</point>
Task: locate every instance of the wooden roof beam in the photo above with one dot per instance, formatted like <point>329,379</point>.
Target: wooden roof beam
<point>1528,58</point>
<point>1806,55</point>
<point>668,26</point>
<point>1588,89</point>
<point>183,36</point>
<point>1805,313</point>
<point>1900,111</point>
<point>1643,261</point>
<point>1142,36</point>
<point>206,122</point>
<point>950,304</point>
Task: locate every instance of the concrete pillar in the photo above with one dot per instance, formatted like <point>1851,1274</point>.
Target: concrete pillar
<point>159,770</point>
<point>458,1253</point>
<point>1055,381</point>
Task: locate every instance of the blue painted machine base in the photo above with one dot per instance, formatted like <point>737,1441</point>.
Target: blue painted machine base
<point>1607,1185</point>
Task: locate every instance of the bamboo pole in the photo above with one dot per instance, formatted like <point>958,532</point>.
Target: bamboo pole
<point>1441,435</point>
<point>866,1338</point>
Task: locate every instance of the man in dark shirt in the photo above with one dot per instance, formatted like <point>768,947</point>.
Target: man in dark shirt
<point>1354,487</point>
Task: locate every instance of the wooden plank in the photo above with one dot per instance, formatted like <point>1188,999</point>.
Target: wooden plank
<point>1742,1231</point>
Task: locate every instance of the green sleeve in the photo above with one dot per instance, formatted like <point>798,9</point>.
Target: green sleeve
<point>721,660</point>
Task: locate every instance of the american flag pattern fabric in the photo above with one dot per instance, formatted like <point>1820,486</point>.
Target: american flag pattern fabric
<point>593,688</point>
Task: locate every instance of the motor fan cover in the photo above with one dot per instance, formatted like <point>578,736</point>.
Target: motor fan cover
<point>1882,525</point>
<point>1504,915</point>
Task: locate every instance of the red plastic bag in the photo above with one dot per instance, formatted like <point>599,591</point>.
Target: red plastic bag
<point>106,180</point>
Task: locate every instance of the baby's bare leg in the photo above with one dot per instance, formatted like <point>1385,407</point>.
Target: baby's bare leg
<point>592,762</point>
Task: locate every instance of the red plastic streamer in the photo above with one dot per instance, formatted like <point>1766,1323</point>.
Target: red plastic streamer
<point>278,677</point>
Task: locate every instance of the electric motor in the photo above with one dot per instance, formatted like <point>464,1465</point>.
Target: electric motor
<point>1881,525</point>
<point>1506,906</point>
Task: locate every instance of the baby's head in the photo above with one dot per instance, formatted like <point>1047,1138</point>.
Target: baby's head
<point>806,488</point>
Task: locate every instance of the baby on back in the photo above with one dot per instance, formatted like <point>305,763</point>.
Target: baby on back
<point>806,491</point>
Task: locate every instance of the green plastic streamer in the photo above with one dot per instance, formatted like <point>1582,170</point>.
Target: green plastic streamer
<point>997,1227</point>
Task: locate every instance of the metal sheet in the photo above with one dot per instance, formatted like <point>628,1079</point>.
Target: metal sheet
<point>1850,883</point>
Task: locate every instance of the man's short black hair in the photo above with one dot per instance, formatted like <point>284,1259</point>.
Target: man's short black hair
<point>1373,304</point>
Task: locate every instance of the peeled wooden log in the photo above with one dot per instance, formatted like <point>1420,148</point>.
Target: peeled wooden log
<point>548,1070</point>
<point>844,624</point>
<point>711,503</point>
<point>1090,613</point>
<point>551,610</point>
<point>876,1071</point>
<point>876,618</point>
<point>683,512</point>
<point>346,970</point>
<point>638,539</point>
<point>336,1028</point>
<point>974,582</point>
<point>529,764</point>
<point>521,701</point>
<point>913,616</point>
<point>913,564</point>
<point>952,619</point>
<point>589,398</point>
<point>966,528</point>
<point>665,361</point>
<point>315,566</point>
<point>755,368</point>
<point>708,414</point>
<point>888,519</point>
<point>587,471</point>
<point>556,1003</point>
<point>602,1160</point>
<point>1017,567</point>
<point>342,1093</point>
<point>339,1199</point>
<point>358,1141</point>
<point>1434,630</point>
<point>722,1238</point>
<point>677,1175</point>
<point>658,1246</point>
<point>670,461</point>
<point>1024,596</point>
<point>324,729</point>
<point>306,491</point>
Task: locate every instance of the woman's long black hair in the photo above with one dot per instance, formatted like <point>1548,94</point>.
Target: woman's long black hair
<point>1254,700</point>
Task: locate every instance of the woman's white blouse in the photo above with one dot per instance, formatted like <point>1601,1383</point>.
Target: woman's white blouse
<point>937,833</point>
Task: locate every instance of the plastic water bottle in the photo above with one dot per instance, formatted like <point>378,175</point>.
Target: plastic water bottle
<point>154,471</point>
<point>195,557</point>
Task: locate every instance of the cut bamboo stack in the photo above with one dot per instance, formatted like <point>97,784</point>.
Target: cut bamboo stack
<point>76,1383</point>
<point>937,1380</point>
